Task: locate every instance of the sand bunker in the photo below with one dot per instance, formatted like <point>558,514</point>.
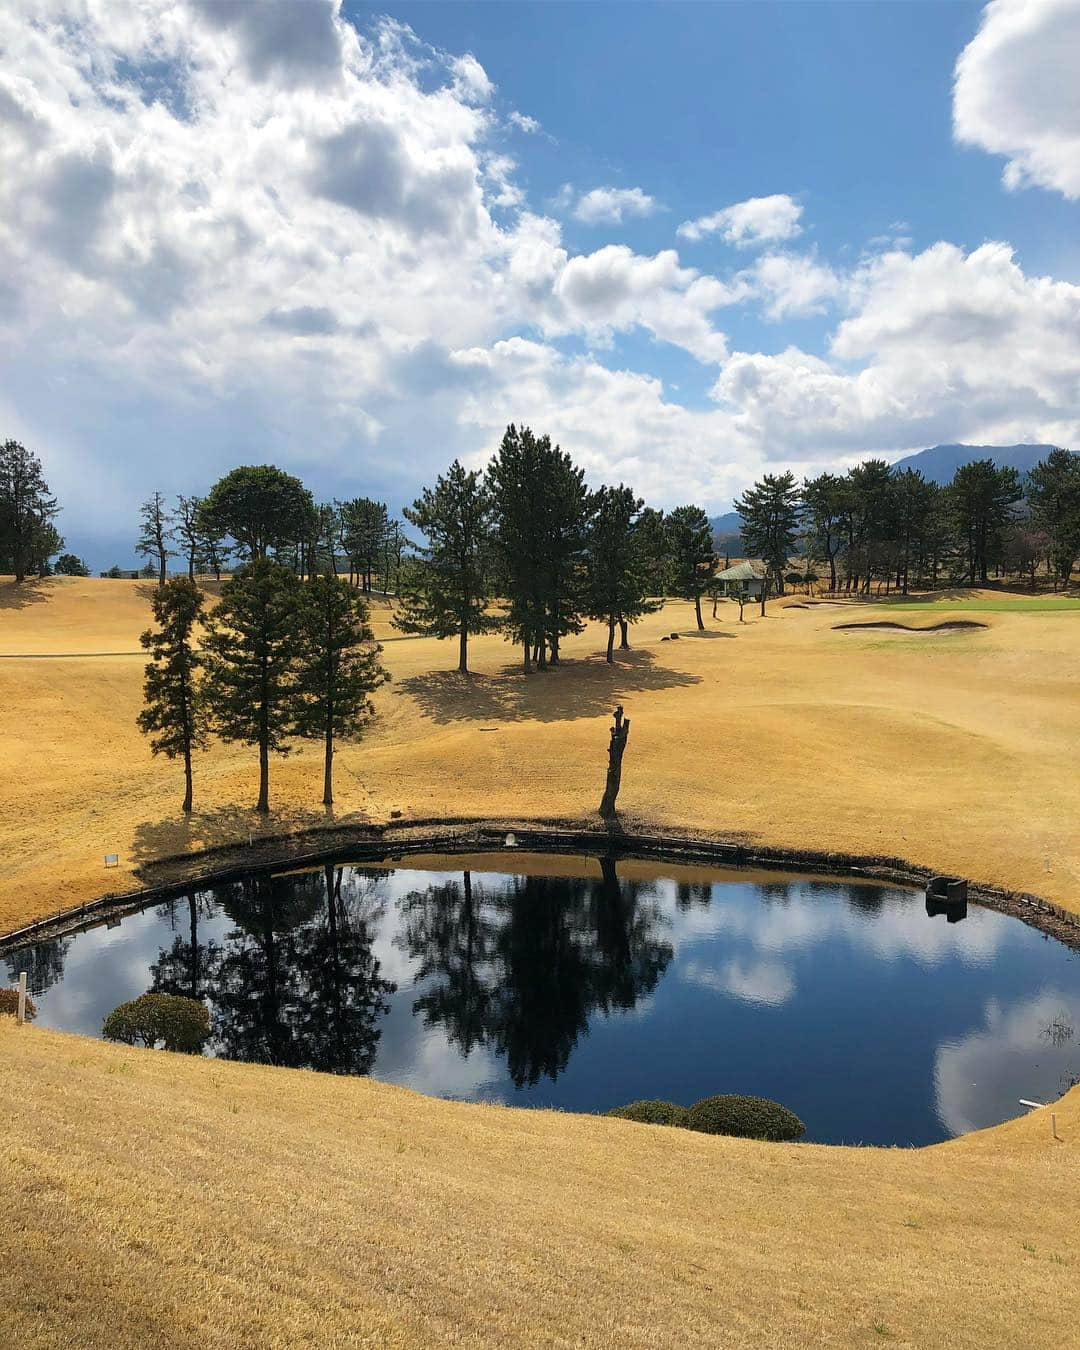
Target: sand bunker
<point>948,626</point>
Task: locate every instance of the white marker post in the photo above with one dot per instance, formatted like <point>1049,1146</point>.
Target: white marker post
<point>20,1016</point>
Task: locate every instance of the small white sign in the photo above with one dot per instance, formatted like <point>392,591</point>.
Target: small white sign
<point>112,859</point>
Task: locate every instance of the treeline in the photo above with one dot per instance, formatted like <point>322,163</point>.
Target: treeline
<point>260,512</point>
<point>874,526</point>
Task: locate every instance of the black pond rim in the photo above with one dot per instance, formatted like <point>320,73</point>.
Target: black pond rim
<point>384,844</point>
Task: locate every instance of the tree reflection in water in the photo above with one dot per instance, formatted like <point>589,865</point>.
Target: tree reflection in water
<point>521,969</point>
<point>295,982</point>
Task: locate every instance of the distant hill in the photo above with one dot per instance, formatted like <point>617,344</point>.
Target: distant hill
<point>727,524</point>
<point>941,462</point>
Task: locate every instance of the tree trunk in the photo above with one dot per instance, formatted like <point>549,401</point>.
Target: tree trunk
<point>187,780</point>
<point>611,640</point>
<point>762,599</point>
<point>263,803</point>
<point>624,635</point>
<point>525,646</point>
<point>463,648</point>
<point>328,769</point>
<point>697,611</point>
<point>161,568</point>
<point>620,732</point>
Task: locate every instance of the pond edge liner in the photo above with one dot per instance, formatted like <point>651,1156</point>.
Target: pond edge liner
<point>354,845</point>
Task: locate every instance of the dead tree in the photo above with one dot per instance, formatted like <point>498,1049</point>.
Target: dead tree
<point>620,733</point>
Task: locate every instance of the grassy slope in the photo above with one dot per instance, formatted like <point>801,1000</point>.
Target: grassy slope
<point>957,751</point>
<point>155,1200</point>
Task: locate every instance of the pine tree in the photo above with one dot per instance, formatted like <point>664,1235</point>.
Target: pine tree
<point>447,589</point>
<point>338,667</point>
<point>363,528</point>
<point>155,534</point>
<point>251,660</point>
<point>1053,494</point>
<point>515,483</point>
<point>690,552</point>
<point>27,509</point>
<point>823,520</point>
<point>174,714</point>
<point>541,516</point>
<point>770,522</point>
<point>982,498</point>
<point>618,566</point>
<point>188,531</point>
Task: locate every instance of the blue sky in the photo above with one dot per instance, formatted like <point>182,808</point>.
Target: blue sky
<point>357,241</point>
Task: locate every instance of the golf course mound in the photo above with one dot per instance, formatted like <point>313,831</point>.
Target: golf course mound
<point>890,626</point>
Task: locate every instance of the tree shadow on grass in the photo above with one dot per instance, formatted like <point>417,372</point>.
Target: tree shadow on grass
<point>179,834</point>
<point>20,594</point>
<point>573,689</point>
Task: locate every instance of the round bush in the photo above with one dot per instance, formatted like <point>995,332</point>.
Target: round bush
<point>181,1024</point>
<point>651,1113</point>
<point>744,1117</point>
<point>9,1004</point>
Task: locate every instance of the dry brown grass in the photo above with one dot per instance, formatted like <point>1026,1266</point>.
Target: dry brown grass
<point>157,1200</point>
<point>957,751</point>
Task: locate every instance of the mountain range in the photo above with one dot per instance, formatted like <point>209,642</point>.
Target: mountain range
<point>938,464</point>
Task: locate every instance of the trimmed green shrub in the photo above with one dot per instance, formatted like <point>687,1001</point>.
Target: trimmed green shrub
<point>651,1113</point>
<point>9,1004</point>
<point>181,1024</point>
<point>744,1117</point>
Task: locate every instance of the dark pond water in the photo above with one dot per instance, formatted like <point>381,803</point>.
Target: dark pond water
<point>601,984</point>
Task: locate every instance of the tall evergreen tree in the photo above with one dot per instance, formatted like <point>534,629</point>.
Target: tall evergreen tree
<point>541,513</point>
<point>174,714</point>
<point>690,552</point>
<point>337,668</point>
<point>155,534</point>
<point>1053,495</point>
<point>823,515</point>
<point>770,522</point>
<point>982,498</point>
<point>447,590</point>
<point>261,507</point>
<point>618,562</point>
<point>364,524</point>
<point>250,651</point>
<point>187,530</point>
<point>27,508</point>
<point>564,526</point>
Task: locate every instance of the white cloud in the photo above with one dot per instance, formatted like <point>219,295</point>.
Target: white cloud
<point>471,82</point>
<point>287,239</point>
<point>1017,92</point>
<point>615,289</point>
<point>793,284</point>
<point>759,220</point>
<point>525,123</point>
<point>936,346</point>
<point>611,206</point>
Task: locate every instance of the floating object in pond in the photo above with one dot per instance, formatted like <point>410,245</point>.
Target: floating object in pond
<point>511,842</point>
<point>112,860</point>
<point>948,896</point>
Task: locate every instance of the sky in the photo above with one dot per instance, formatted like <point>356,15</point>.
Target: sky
<point>693,242</point>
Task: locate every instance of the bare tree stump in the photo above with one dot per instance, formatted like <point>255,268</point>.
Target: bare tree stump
<point>620,733</point>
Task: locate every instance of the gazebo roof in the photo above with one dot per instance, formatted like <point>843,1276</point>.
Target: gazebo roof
<point>744,571</point>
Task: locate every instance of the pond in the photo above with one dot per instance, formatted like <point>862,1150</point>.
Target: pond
<point>571,983</point>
